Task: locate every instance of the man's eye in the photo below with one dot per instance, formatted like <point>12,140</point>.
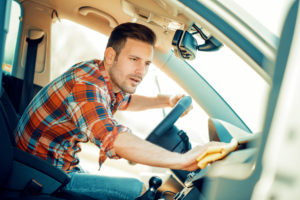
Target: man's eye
<point>134,59</point>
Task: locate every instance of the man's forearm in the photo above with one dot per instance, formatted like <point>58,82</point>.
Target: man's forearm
<point>139,102</point>
<point>134,149</point>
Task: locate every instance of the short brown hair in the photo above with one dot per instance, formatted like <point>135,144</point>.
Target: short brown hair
<point>136,31</point>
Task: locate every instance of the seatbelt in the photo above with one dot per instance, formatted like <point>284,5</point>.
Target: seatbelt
<point>27,89</point>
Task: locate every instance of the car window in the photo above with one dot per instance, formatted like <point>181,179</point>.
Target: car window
<point>84,44</point>
<point>157,82</point>
<point>256,9</point>
<point>240,86</point>
<point>12,38</point>
<point>72,43</point>
<point>70,47</point>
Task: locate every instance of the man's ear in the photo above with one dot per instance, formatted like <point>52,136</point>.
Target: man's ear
<point>110,55</point>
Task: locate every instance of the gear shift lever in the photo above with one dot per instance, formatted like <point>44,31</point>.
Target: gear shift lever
<point>154,184</point>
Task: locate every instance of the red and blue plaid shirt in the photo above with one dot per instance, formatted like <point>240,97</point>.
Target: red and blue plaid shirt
<point>76,107</point>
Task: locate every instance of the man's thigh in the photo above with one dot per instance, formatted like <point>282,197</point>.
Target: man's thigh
<point>105,188</point>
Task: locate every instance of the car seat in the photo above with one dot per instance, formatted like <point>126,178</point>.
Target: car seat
<point>22,175</point>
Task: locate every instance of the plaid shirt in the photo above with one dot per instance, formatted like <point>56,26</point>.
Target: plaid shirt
<point>76,107</point>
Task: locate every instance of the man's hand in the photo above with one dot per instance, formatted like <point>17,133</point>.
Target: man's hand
<point>137,150</point>
<point>175,98</point>
<point>200,156</point>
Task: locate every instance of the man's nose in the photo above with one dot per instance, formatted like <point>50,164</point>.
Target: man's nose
<point>141,69</point>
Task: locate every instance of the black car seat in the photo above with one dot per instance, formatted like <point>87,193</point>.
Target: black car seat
<point>22,175</point>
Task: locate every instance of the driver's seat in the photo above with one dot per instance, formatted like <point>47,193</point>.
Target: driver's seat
<point>22,175</point>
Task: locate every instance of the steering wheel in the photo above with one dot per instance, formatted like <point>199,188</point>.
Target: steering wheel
<point>170,119</point>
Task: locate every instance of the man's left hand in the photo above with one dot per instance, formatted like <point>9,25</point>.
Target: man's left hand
<point>175,98</point>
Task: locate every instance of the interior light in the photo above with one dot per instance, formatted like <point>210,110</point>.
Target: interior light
<point>173,25</point>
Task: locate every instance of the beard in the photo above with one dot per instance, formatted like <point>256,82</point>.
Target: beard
<point>121,82</point>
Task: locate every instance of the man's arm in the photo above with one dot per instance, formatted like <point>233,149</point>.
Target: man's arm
<point>134,149</point>
<point>139,102</point>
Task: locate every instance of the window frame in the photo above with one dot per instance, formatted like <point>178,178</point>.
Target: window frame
<point>18,38</point>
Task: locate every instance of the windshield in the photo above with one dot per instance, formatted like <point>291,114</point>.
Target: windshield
<point>240,86</point>
<point>256,9</point>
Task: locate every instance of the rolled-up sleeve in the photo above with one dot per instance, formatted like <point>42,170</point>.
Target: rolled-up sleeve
<point>88,107</point>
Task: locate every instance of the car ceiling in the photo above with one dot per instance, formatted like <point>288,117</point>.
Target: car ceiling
<point>103,15</point>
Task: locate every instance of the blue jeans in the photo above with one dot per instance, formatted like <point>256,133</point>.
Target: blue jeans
<point>103,187</point>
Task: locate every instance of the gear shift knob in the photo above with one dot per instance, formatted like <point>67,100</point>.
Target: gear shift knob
<point>154,184</point>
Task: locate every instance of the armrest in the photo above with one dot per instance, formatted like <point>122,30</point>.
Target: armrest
<point>41,165</point>
<point>27,167</point>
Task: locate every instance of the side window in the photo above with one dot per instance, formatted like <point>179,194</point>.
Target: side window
<point>72,43</point>
<point>82,43</point>
<point>12,38</point>
<point>142,123</point>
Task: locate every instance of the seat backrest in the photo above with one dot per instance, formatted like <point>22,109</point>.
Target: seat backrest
<point>6,151</point>
<point>10,115</point>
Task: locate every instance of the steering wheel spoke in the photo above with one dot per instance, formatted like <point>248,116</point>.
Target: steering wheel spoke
<point>165,133</point>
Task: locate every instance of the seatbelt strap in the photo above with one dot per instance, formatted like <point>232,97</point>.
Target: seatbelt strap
<point>27,89</point>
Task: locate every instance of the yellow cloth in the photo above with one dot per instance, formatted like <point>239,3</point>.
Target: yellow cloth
<point>217,152</point>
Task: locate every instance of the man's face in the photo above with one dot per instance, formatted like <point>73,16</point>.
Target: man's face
<point>129,69</point>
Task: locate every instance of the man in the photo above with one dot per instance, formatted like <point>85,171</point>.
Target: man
<point>79,105</point>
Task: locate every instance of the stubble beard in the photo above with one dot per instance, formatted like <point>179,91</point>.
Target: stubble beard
<point>116,80</point>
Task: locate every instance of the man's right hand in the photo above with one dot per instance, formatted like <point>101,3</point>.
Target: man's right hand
<point>137,150</point>
<point>200,156</point>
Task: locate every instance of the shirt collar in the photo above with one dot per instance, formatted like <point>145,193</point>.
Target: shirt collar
<point>114,96</point>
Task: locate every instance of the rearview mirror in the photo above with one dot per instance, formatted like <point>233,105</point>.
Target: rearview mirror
<point>185,45</point>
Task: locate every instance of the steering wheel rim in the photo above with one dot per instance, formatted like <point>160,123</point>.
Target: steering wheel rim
<point>170,119</point>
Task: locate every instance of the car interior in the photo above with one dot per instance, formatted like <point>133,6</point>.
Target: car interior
<point>183,28</point>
